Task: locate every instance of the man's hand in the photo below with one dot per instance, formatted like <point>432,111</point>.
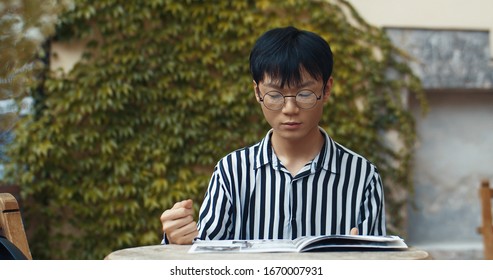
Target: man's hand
<point>354,231</point>
<point>178,223</point>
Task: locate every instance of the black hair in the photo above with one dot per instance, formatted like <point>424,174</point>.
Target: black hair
<point>281,53</point>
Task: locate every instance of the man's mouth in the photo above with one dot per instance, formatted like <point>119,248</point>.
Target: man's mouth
<point>291,124</point>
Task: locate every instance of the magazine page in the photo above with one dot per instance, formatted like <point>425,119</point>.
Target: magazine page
<point>242,246</point>
<point>350,242</point>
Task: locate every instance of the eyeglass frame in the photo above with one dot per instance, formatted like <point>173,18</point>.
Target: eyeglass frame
<point>261,98</point>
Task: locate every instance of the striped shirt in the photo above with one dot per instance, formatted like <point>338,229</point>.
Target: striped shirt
<point>251,195</point>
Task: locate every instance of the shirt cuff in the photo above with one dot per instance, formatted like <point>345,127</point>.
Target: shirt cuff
<point>165,240</point>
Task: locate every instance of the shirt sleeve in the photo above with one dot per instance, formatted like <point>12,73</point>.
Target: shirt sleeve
<point>215,213</point>
<point>373,207</point>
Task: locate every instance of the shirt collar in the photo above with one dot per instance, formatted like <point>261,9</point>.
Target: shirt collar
<point>326,159</point>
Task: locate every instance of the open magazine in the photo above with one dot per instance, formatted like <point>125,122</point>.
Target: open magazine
<point>301,244</point>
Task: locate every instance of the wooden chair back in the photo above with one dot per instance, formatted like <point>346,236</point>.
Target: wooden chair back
<point>11,225</point>
<point>486,229</point>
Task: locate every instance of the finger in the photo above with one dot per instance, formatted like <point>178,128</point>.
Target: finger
<point>187,239</point>
<point>173,214</point>
<point>172,225</point>
<point>187,203</point>
<point>354,231</point>
<point>185,234</point>
<point>183,231</point>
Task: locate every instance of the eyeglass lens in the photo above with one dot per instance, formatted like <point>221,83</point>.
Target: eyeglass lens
<point>304,99</point>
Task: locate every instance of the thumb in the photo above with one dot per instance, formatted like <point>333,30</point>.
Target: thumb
<point>354,231</point>
<point>183,204</point>
<point>187,203</point>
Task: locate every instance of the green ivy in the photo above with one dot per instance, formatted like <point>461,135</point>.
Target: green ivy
<point>164,91</point>
<point>24,26</point>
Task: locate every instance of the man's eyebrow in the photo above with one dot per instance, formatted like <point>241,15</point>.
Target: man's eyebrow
<point>278,86</point>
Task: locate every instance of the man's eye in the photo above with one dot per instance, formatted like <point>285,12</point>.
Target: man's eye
<point>275,95</point>
<point>305,94</point>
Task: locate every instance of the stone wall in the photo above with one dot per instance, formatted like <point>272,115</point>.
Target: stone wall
<point>455,139</point>
<point>448,59</point>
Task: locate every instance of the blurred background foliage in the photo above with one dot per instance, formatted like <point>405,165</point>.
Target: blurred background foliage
<point>163,91</point>
<point>24,26</point>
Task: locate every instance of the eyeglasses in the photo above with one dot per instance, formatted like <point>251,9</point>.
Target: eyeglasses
<point>274,100</point>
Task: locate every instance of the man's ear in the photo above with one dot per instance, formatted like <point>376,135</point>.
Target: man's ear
<point>255,91</point>
<point>328,89</point>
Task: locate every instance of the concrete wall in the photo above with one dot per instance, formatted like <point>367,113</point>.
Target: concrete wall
<point>452,43</point>
<point>454,152</point>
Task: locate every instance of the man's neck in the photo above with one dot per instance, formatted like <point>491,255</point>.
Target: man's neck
<point>294,154</point>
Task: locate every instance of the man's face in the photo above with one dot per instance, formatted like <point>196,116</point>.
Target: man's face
<point>292,122</point>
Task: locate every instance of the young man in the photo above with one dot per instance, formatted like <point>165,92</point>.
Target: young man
<point>296,181</point>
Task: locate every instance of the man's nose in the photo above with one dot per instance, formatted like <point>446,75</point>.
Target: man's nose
<point>290,105</point>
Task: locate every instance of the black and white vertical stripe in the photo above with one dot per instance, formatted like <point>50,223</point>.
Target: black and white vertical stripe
<point>251,195</point>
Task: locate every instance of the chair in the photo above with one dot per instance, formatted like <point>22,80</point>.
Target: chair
<point>11,225</point>
<point>486,229</point>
